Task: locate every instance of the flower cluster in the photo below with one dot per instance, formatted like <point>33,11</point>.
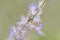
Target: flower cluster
<point>27,23</point>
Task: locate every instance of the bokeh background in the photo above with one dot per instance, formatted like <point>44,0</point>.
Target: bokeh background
<point>10,11</point>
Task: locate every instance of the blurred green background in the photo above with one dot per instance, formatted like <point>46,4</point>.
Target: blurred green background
<point>10,11</point>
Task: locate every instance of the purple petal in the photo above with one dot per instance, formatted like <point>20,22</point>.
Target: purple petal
<point>12,31</point>
<point>40,33</point>
<point>33,5</point>
<point>39,27</point>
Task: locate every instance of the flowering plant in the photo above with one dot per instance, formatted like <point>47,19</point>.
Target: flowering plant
<point>27,23</point>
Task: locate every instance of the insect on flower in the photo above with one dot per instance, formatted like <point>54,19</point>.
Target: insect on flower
<point>27,23</point>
